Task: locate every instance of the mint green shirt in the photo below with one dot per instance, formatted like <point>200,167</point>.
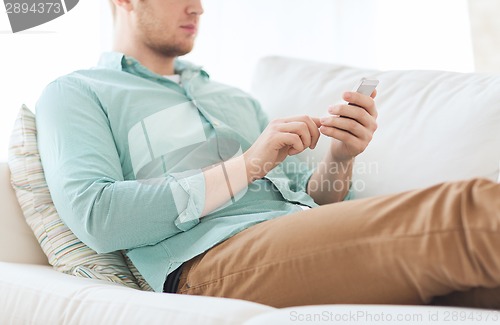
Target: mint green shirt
<point>123,150</point>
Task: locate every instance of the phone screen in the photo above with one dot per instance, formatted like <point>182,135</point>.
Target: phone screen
<point>366,86</point>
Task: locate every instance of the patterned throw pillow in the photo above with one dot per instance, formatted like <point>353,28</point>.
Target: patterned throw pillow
<point>66,253</point>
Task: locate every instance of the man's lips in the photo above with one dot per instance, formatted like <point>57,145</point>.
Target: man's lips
<point>190,28</point>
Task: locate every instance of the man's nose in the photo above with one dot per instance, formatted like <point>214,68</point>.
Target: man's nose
<point>195,8</point>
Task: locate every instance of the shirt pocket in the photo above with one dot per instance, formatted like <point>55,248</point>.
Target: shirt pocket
<point>161,133</point>
<point>238,113</point>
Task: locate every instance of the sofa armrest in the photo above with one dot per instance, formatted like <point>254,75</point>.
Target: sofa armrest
<point>17,242</point>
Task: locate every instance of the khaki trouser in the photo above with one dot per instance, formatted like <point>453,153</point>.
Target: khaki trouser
<point>407,248</point>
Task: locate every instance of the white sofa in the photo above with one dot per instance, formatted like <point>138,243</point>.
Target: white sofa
<point>434,126</point>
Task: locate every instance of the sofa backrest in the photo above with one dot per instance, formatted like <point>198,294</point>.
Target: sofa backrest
<point>17,242</point>
<point>434,126</point>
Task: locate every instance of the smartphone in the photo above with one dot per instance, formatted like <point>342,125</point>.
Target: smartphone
<point>365,87</point>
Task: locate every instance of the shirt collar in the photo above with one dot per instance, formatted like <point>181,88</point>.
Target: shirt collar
<point>121,62</point>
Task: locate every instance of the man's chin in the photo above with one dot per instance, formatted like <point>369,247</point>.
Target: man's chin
<point>170,51</point>
<point>181,53</point>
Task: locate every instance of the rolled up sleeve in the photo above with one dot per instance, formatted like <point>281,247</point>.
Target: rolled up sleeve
<point>189,198</point>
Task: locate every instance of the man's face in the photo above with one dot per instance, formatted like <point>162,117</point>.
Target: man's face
<point>168,27</point>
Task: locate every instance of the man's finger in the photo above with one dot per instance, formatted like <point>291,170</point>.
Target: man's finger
<point>312,124</point>
<point>361,100</point>
<point>299,128</point>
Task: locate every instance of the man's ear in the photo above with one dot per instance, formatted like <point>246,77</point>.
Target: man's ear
<point>124,4</point>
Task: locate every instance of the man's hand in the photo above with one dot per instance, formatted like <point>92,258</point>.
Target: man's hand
<point>281,138</point>
<point>350,127</point>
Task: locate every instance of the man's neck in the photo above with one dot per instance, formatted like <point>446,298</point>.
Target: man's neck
<point>159,65</point>
<point>155,62</point>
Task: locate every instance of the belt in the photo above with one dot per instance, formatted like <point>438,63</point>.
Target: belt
<point>172,282</point>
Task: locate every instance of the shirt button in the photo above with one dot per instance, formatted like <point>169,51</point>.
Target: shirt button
<point>194,103</point>
<point>129,62</point>
<point>216,123</point>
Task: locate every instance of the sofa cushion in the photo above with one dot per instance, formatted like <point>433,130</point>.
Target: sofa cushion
<point>434,126</point>
<point>35,294</point>
<point>64,250</point>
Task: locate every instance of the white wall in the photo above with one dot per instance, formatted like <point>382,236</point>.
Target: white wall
<point>485,25</point>
<point>31,59</point>
<point>383,34</point>
<point>424,34</point>
<point>236,33</point>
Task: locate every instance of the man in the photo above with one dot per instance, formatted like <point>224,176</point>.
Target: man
<point>146,154</point>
